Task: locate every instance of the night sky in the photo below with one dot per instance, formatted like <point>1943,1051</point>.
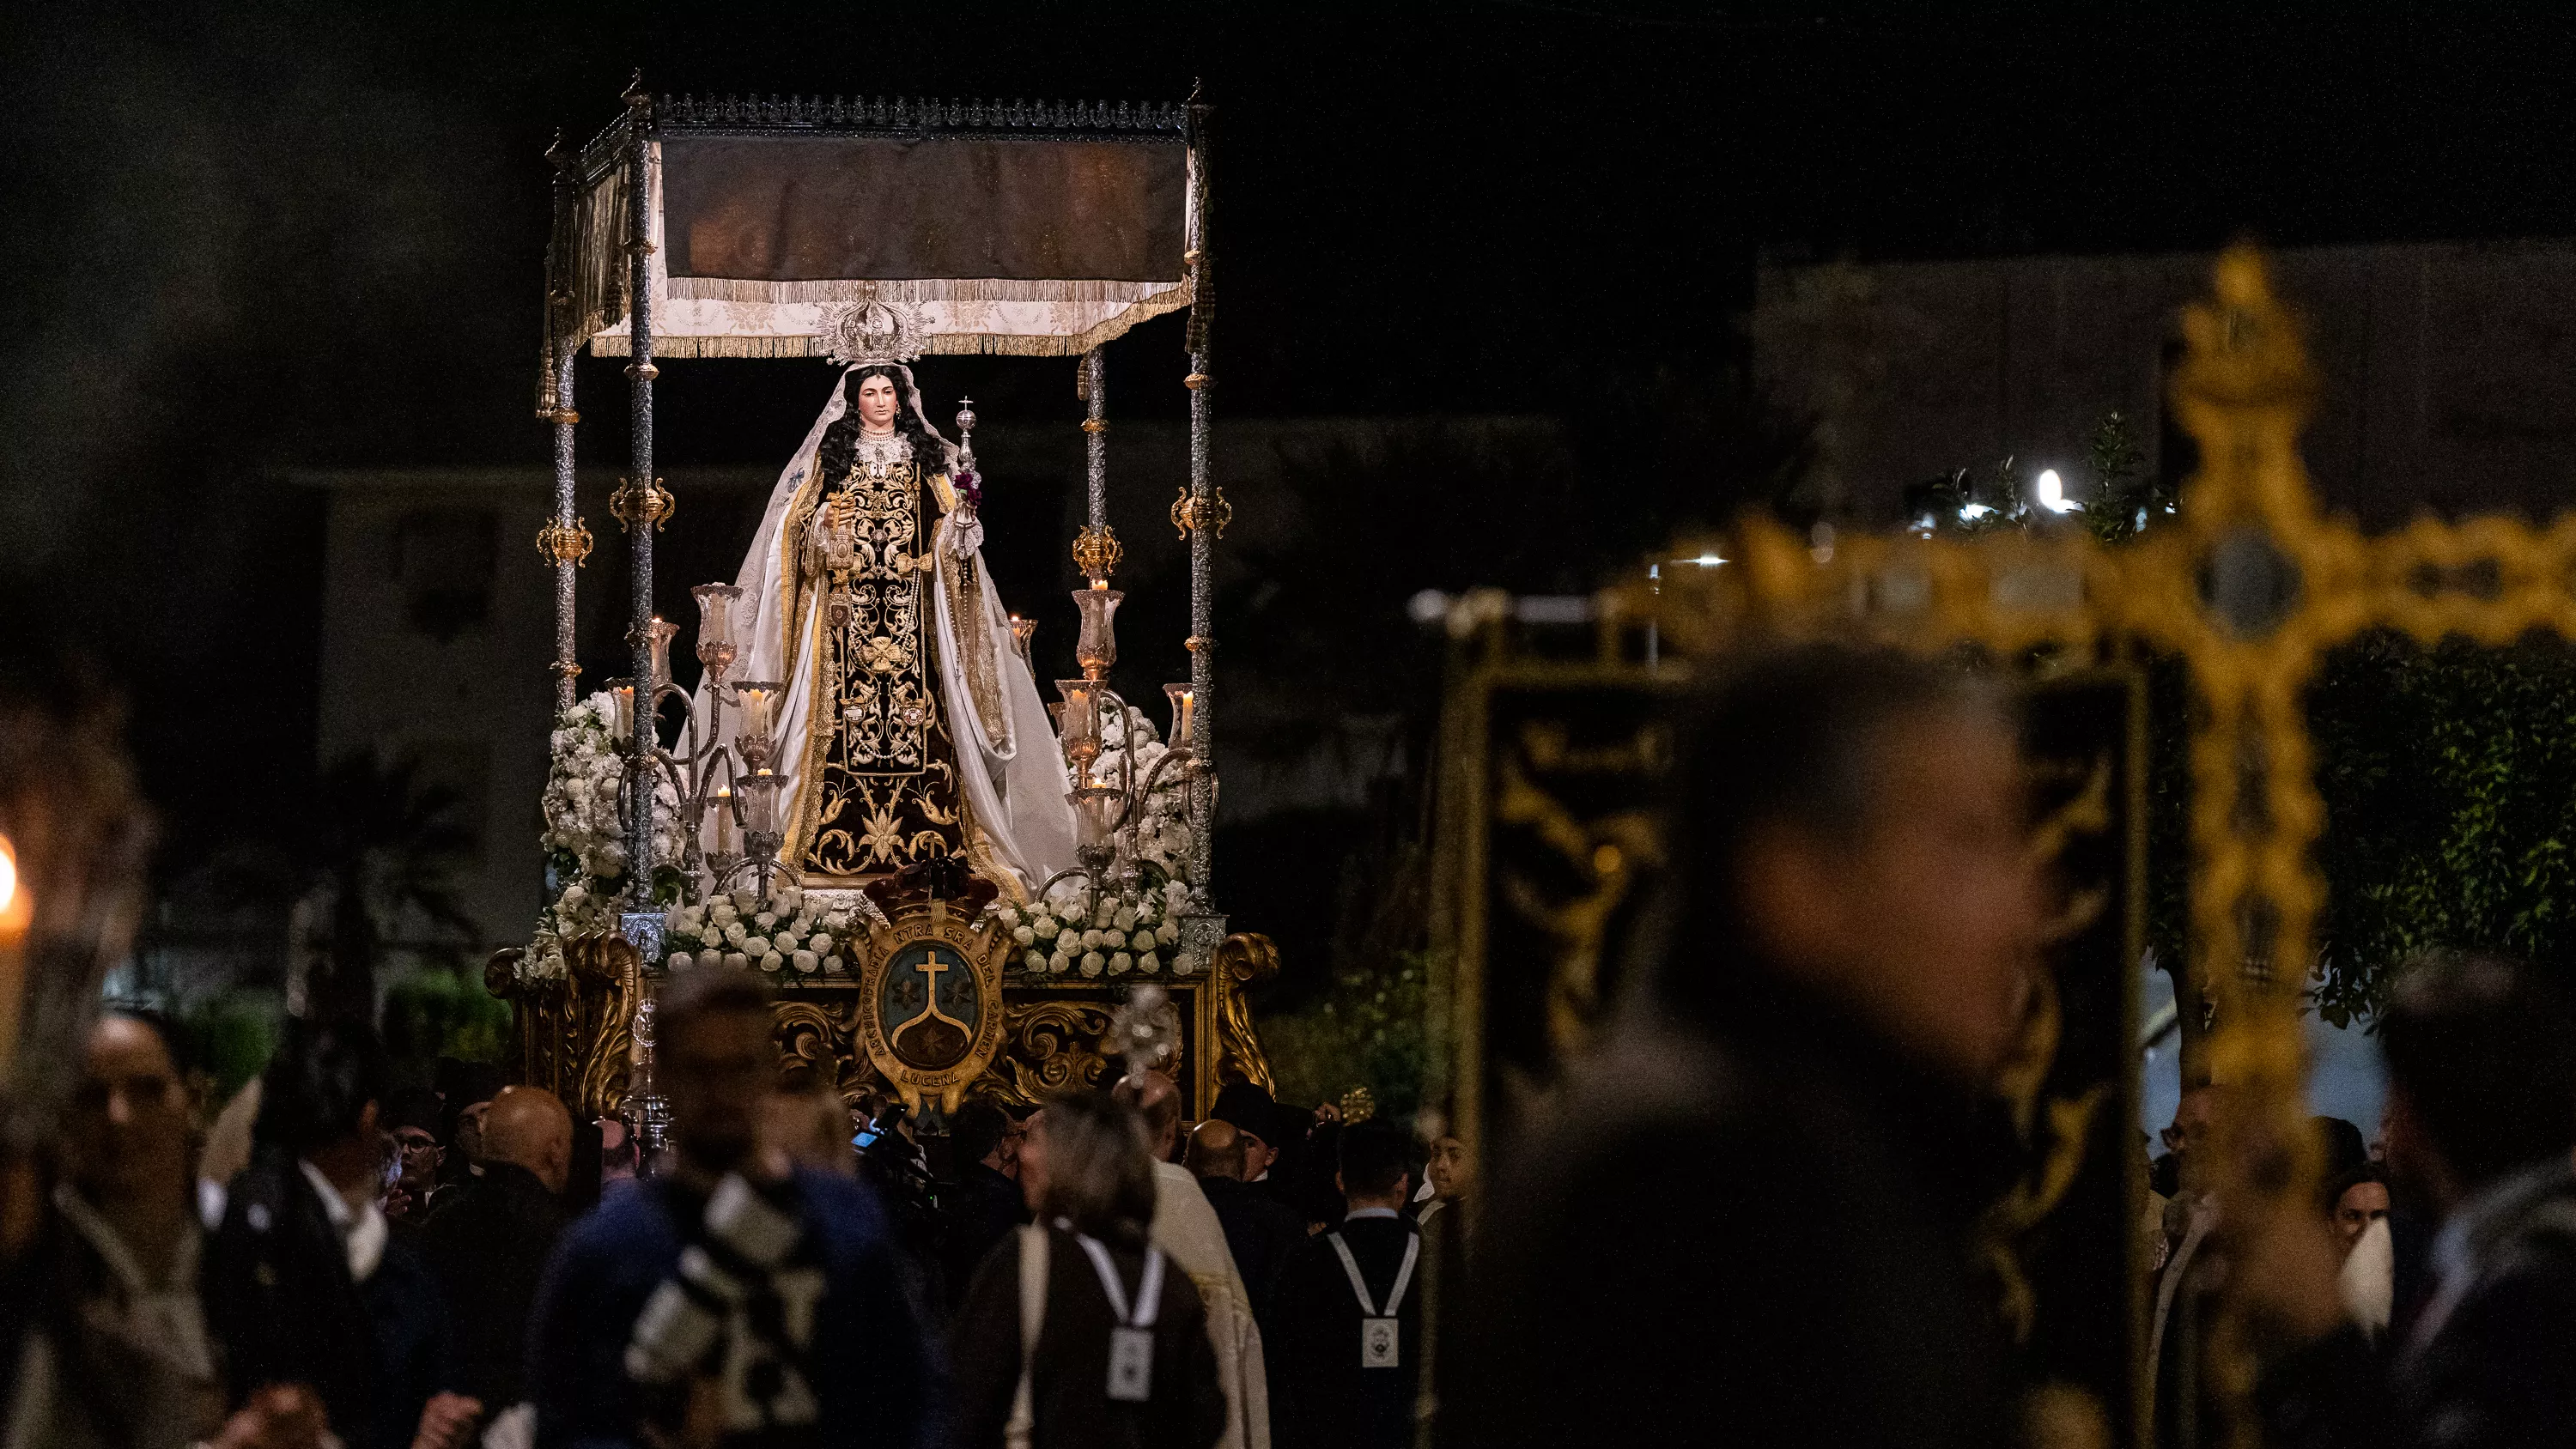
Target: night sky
<point>240,237</point>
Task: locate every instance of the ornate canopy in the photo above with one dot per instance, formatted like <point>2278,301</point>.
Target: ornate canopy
<point>1024,228</point>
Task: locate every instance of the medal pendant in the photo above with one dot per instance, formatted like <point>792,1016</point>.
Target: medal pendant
<point>1378,1343</point>
<point>1131,1365</point>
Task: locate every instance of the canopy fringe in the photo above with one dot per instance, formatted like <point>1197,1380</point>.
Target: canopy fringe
<point>923,289</point>
<point>947,344</point>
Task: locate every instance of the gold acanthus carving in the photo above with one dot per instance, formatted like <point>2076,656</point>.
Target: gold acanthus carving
<point>1053,1048</point>
<point>1247,957</point>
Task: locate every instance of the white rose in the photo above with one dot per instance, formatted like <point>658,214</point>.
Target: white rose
<point>1149,963</point>
<point>1107,913</point>
<point>1124,920</point>
<point>765,921</point>
<point>1047,928</point>
<point>735,961</point>
<point>735,935</point>
<point>680,961</point>
<point>721,912</point>
<point>1167,933</point>
<point>1091,963</point>
<point>745,900</point>
<point>792,899</point>
<point>754,945</point>
<point>836,922</point>
<point>806,961</point>
<point>834,966</point>
<point>1006,915</point>
<point>819,944</point>
<point>574,895</point>
<point>1059,962</point>
<point>1114,940</point>
<point>577,788</point>
<point>771,962</point>
<point>1035,961</point>
<point>1024,935</point>
<point>1121,964</point>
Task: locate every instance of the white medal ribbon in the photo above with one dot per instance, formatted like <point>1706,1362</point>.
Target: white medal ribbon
<point>1380,1337</point>
<point>1131,1344</point>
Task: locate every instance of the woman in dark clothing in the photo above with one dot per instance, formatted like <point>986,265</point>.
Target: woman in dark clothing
<point>1120,1351</point>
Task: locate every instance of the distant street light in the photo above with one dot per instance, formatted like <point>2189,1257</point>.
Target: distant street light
<point>2052,493</point>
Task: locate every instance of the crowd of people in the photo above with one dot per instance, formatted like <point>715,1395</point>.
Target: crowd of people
<point>1745,1215</point>
<point>331,1260</point>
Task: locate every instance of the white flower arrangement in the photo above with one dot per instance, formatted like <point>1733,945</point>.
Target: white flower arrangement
<point>782,935</point>
<point>1163,826</point>
<point>1121,934</point>
<point>584,839</point>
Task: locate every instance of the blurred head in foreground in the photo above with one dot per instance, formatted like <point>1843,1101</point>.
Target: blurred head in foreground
<point>1853,830</point>
<point>2481,1077</point>
<point>717,1064</point>
<point>1087,1161</point>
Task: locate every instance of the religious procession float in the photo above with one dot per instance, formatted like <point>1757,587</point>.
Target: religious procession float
<point>959,887</point>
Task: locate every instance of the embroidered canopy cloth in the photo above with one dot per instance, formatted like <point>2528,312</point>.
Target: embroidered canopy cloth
<point>763,244</point>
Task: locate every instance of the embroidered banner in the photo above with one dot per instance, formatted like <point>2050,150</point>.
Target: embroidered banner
<point>789,209</point>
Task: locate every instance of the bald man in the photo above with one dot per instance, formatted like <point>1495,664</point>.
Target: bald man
<point>490,1241</point>
<point>1260,1230</point>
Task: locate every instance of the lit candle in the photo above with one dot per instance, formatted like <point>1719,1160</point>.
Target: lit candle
<point>722,803</point>
<point>622,691</point>
<point>1184,699</point>
<point>17,904</point>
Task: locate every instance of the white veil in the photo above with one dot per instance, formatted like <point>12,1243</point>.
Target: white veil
<point>1009,765</point>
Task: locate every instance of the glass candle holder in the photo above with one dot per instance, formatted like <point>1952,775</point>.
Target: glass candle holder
<point>621,691</point>
<point>1021,631</point>
<point>721,804</point>
<point>1095,815</point>
<point>657,635</point>
<point>716,646</point>
<point>1078,727</point>
<point>760,803</point>
<point>1184,704</point>
<point>1097,649</point>
<point>753,733</point>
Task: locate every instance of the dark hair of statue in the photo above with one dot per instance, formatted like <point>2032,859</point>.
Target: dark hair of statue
<point>1786,738</point>
<point>834,456</point>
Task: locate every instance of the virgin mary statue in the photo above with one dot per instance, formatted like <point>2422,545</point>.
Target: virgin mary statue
<point>911,729</point>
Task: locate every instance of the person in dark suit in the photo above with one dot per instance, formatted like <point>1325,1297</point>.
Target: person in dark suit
<point>2480,1121</point>
<point>1749,1216</point>
<point>985,1204</point>
<point>489,1242</point>
<point>304,1282</point>
<point>1261,1232</point>
<point>1089,1172</point>
<point>733,1298</point>
<point>1348,1309</point>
